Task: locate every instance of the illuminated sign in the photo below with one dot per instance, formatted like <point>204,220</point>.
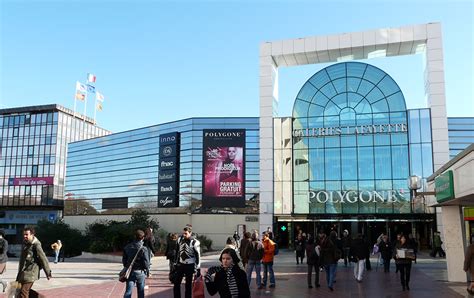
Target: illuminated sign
<point>349,130</point>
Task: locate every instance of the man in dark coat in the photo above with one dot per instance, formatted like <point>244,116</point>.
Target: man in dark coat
<point>244,246</point>
<point>32,260</point>
<point>385,249</point>
<point>358,254</point>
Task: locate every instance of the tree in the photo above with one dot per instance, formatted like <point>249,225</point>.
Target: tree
<point>141,220</point>
<point>73,240</point>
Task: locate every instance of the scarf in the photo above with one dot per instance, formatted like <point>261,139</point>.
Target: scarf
<point>234,291</point>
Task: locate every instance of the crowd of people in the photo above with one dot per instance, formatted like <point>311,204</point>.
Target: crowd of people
<point>239,259</point>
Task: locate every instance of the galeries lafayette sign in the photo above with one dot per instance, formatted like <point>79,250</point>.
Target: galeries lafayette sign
<point>349,130</point>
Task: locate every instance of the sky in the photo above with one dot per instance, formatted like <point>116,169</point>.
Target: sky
<point>161,61</point>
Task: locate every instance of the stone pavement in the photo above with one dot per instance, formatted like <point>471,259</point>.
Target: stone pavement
<point>87,277</point>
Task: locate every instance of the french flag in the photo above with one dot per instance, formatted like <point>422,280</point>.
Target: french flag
<point>91,78</point>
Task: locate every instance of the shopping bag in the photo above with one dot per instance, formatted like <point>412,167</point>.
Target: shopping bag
<point>198,287</point>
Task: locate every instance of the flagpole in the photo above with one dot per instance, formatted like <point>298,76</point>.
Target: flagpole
<point>85,109</point>
<point>95,106</point>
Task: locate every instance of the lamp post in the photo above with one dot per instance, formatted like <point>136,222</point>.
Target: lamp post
<point>414,183</point>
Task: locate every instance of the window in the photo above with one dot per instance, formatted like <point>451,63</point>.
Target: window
<point>34,171</point>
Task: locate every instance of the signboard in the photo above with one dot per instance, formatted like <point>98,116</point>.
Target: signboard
<point>115,203</point>
<point>27,217</point>
<point>349,130</point>
<point>31,181</point>
<point>444,187</point>
<point>168,170</point>
<point>223,168</point>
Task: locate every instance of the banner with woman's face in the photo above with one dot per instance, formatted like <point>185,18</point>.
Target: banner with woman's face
<point>223,168</point>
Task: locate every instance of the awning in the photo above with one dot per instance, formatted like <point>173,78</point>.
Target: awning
<point>464,201</point>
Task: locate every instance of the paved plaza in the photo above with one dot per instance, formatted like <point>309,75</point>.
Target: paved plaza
<point>90,277</point>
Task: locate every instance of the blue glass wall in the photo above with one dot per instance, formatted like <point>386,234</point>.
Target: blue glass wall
<point>125,165</point>
<point>461,134</point>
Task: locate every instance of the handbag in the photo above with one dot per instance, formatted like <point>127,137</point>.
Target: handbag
<point>198,288</point>
<point>174,273</point>
<point>126,271</point>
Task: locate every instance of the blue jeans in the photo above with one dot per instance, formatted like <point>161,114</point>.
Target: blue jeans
<point>250,266</point>
<point>268,267</point>
<point>56,256</point>
<point>330,274</point>
<point>138,277</point>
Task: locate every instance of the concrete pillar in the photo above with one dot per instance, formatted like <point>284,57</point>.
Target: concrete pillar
<point>453,242</point>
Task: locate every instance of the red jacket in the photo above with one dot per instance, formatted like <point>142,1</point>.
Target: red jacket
<point>269,250</point>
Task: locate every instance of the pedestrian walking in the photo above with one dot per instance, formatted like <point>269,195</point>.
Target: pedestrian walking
<point>229,280</point>
<point>236,239</point>
<point>328,260</point>
<point>468,265</point>
<point>56,246</point>
<point>230,243</point>
<point>359,253</point>
<point>385,249</point>
<point>32,260</point>
<point>170,252</point>
<point>254,254</point>
<point>188,260</point>
<point>267,260</point>
<point>346,246</point>
<point>437,249</point>
<point>244,246</point>
<point>312,260</point>
<point>299,249</point>
<point>3,257</point>
<point>404,254</point>
<point>141,266</point>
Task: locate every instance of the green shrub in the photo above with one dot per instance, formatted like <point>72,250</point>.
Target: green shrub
<point>72,239</point>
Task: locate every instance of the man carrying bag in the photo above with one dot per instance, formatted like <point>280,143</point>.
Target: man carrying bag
<point>136,262</point>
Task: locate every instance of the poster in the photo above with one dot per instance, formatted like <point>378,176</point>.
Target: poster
<point>224,168</point>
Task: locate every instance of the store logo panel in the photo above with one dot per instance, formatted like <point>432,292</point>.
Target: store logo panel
<point>168,171</point>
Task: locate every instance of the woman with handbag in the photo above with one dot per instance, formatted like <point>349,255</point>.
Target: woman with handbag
<point>228,279</point>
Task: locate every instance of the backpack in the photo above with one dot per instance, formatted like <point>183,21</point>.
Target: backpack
<point>277,250</point>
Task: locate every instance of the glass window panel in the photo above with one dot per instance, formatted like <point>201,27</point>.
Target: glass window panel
<point>414,129</point>
<point>317,164</point>
<point>365,140</point>
<point>374,74</point>
<point>365,157</point>
<point>320,99</point>
<point>319,79</point>
<point>354,99</point>
<point>333,187</point>
<point>349,163</point>
<point>333,141</point>
<point>336,71</point>
<point>328,90</point>
<point>340,85</point>
<point>381,139</point>
<point>365,87</point>
<point>300,109</point>
<point>374,95</point>
<point>366,204</point>
<point>425,121</point>
<point>396,102</point>
<point>348,141</point>
<point>333,164</point>
<point>356,69</point>
<point>427,159</point>
<point>340,100</point>
<point>380,106</point>
<point>307,92</point>
<point>416,160</point>
<point>347,117</point>
<point>388,85</point>
<point>363,107</point>
<point>400,162</point>
<point>315,110</point>
<point>382,169</point>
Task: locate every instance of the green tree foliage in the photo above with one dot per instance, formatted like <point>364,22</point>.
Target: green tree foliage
<point>49,232</point>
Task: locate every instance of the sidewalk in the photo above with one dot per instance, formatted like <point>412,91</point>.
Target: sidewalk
<point>85,277</point>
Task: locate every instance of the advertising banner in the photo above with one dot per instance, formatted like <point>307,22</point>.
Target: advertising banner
<point>224,168</point>
<point>168,170</point>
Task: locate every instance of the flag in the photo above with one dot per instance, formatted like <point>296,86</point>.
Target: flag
<point>99,106</point>
<point>80,96</point>
<point>80,87</point>
<point>91,78</point>
<point>99,96</point>
<point>90,88</point>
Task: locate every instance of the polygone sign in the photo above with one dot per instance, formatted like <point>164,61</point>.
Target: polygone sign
<point>353,196</point>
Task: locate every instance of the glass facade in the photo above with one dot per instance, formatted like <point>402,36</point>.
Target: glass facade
<point>123,168</point>
<point>461,134</point>
<point>352,140</point>
<point>33,153</point>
